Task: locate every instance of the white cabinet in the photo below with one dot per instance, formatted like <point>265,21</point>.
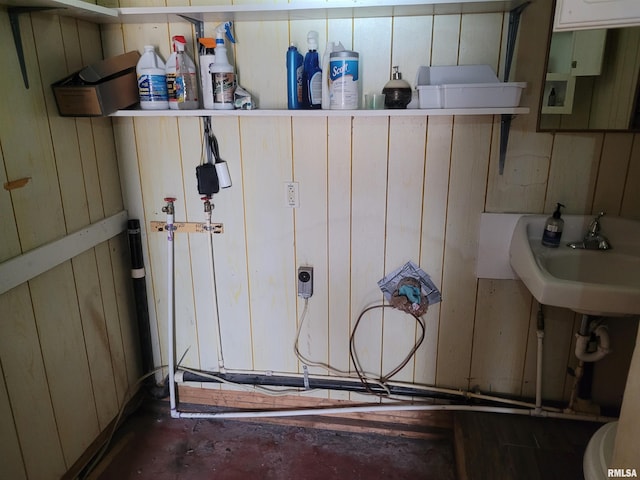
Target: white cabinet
<point>571,55</point>
<point>585,14</point>
<point>588,52</point>
<point>578,53</point>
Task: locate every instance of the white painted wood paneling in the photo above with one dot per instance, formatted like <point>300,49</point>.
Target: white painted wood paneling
<point>446,40</point>
<point>26,141</point>
<point>112,339</point>
<point>63,334</point>
<point>230,252</point>
<point>27,385</point>
<point>259,64</point>
<point>9,443</point>
<point>480,39</point>
<point>94,329</point>
<point>204,291</point>
<point>497,320</point>
<point>339,173</point>
<point>454,39</point>
<point>65,359</point>
<point>10,244</point>
<point>614,162</point>
<point>411,46</point>
<point>434,217</point>
<point>631,200</point>
<point>372,40</point>
<point>368,211</point>
<point>270,240</point>
<point>157,140</point>
<point>375,191</point>
<point>572,154</point>
<point>467,184</point>
<point>310,171</point>
<point>407,139</point>
<point>522,186</point>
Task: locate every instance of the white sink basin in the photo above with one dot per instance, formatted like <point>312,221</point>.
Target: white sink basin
<point>594,282</point>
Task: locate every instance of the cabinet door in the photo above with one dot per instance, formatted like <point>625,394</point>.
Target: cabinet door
<point>580,14</point>
<point>588,52</point>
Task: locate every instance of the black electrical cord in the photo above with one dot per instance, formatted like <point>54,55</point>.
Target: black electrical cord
<point>213,145</point>
<point>356,365</point>
<point>210,141</point>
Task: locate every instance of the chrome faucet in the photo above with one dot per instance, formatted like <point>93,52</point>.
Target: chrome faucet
<point>593,240</point>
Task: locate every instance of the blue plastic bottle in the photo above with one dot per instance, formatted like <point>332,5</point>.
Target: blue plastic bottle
<point>312,82</point>
<point>295,70</point>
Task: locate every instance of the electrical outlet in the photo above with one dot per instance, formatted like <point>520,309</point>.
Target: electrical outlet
<point>305,282</point>
<point>292,198</point>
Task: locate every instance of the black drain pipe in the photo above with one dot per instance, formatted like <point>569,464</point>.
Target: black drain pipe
<point>138,279</point>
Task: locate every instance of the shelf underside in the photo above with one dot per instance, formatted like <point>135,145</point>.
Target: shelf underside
<point>267,12</point>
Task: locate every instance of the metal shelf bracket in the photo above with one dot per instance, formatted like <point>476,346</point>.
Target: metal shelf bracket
<point>14,20</point>
<point>505,122</point>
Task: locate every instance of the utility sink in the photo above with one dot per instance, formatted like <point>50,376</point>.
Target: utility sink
<point>593,282</point>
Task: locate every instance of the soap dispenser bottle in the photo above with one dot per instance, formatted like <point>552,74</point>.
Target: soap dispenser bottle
<point>553,229</point>
<point>397,91</point>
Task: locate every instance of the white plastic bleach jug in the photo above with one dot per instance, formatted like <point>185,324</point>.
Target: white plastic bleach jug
<point>152,81</point>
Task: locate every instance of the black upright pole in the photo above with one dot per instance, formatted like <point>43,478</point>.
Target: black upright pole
<point>140,295</point>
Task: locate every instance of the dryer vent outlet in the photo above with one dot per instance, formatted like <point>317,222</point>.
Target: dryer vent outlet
<point>305,282</point>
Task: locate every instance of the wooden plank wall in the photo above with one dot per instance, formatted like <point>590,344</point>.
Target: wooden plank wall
<point>374,193</point>
<point>68,347</point>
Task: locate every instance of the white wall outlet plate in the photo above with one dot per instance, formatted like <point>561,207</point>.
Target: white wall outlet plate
<point>292,194</point>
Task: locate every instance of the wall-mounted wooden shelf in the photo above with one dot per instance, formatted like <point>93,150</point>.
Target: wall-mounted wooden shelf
<point>72,8</point>
<point>414,112</point>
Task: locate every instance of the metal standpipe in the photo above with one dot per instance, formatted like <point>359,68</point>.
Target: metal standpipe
<point>208,208</point>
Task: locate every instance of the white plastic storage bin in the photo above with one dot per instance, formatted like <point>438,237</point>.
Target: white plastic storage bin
<point>430,96</point>
<point>465,86</point>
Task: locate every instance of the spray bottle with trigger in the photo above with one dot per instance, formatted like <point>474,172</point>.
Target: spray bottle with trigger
<point>222,72</point>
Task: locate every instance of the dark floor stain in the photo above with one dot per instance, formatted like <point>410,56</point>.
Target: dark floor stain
<point>183,449</point>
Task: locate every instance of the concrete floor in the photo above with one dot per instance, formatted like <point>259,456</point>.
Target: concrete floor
<point>151,445</point>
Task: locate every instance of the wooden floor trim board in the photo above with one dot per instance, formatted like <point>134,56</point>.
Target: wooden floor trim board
<point>414,424</point>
